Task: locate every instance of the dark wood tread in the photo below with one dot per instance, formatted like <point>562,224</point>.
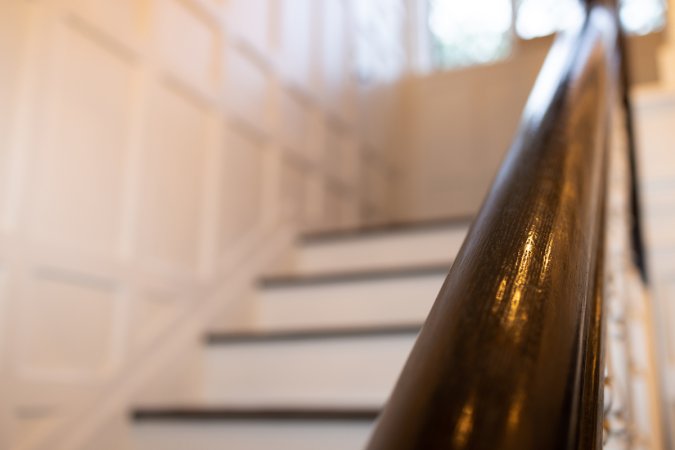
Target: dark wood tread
<point>281,281</point>
<point>188,413</point>
<point>244,337</point>
<point>391,227</point>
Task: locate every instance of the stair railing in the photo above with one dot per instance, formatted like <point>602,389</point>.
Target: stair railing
<point>512,355</point>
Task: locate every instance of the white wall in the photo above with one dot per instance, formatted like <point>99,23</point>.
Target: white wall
<point>147,145</point>
<point>458,125</point>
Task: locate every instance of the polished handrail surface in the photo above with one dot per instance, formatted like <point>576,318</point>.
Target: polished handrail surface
<point>510,356</point>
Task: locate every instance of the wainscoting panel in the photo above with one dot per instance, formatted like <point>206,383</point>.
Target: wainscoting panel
<point>241,187</point>
<point>198,43</point>
<point>250,21</point>
<point>248,89</point>
<point>173,170</point>
<point>54,346</point>
<point>80,163</point>
<point>152,147</point>
<point>122,20</point>
<point>295,117</point>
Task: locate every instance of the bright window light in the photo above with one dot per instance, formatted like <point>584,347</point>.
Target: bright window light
<point>465,33</point>
<point>469,32</point>
<point>643,16</point>
<point>537,18</point>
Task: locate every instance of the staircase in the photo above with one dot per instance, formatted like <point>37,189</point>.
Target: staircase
<point>332,330</point>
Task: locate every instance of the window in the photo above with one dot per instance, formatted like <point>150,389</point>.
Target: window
<point>544,17</point>
<point>472,32</point>
<point>469,32</point>
<point>643,16</point>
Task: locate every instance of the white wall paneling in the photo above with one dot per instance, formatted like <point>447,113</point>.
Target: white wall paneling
<point>13,43</point>
<point>5,409</point>
<point>332,214</point>
<point>350,161</point>
<point>333,149</point>
<point>248,89</point>
<point>26,113</point>
<point>250,21</point>
<point>177,136</point>
<point>147,150</point>
<point>315,201</point>
<point>51,346</point>
<point>4,310</point>
<point>80,162</point>
<point>152,311</point>
<point>199,43</point>
<point>349,211</point>
<point>242,187</point>
<point>317,136</point>
<point>376,181</point>
<point>296,52</point>
<point>295,116</point>
<point>123,20</point>
<point>368,213</point>
<point>294,189</point>
<point>30,422</point>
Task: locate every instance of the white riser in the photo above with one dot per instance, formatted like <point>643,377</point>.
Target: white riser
<point>394,249</point>
<point>252,435</point>
<point>354,371</point>
<point>406,299</point>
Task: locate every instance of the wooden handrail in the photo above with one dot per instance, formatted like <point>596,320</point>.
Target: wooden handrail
<point>511,354</point>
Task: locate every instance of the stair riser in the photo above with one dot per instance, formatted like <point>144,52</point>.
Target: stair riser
<point>336,371</point>
<point>252,435</point>
<point>381,251</point>
<point>345,304</point>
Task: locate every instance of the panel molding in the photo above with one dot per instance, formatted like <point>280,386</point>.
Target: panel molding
<point>113,347</point>
<point>61,146</point>
<point>228,78</point>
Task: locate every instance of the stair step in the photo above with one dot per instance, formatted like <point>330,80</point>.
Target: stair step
<point>376,274</point>
<point>376,298</point>
<point>392,227</point>
<point>340,367</point>
<point>257,337</point>
<point>252,429</point>
<point>379,248</point>
<point>201,413</point>
<point>335,329</point>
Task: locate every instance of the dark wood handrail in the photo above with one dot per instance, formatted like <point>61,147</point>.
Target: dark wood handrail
<point>511,354</point>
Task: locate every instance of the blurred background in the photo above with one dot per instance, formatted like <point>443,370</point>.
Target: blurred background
<point>149,149</point>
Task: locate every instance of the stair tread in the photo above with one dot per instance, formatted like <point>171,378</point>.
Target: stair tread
<point>238,337</point>
<point>253,413</point>
<point>391,227</point>
<point>293,280</point>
